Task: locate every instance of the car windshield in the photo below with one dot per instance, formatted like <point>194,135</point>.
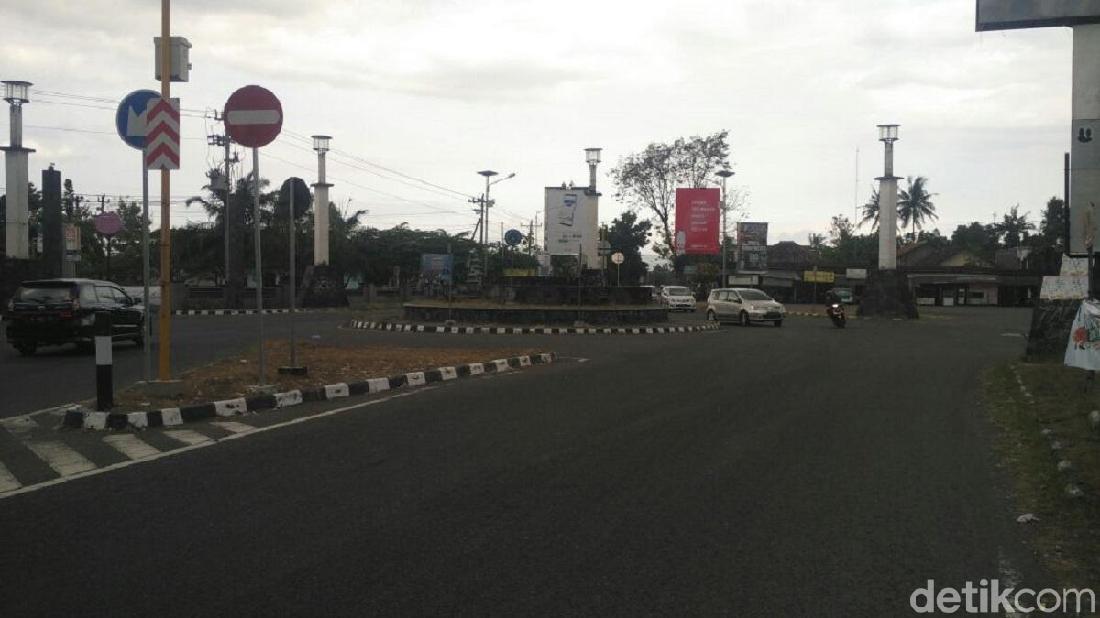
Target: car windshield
<point>678,291</point>
<point>754,295</point>
<point>44,294</point>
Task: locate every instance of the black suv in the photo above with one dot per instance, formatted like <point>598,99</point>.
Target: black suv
<point>59,311</point>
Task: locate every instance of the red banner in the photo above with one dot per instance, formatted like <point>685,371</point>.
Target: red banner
<point>697,221</point>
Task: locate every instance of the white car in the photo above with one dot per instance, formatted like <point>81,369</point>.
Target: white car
<point>744,306</point>
<point>677,298</point>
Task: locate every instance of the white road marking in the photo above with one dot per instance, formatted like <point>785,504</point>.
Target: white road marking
<point>131,446</point>
<point>208,442</point>
<point>64,460</point>
<point>188,437</point>
<point>7,481</point>
<point>234,427</point>
<point>19,426</point>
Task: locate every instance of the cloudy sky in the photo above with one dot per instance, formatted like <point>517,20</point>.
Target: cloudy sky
<point>434,90</point>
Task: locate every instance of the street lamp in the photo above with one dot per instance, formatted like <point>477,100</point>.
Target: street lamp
<point>592,156</point>
<point>724,174</point>
<point>888,202</point>
<point>485,204</point>
<point>320,202</point>
<point>15,161</point>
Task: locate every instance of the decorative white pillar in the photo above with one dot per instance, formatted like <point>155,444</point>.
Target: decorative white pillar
<point>888,203</point>
<point>17,217</point>
<point>1085,150</point>
<point>320,203</point>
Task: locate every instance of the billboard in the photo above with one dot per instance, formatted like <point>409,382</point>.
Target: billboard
<point>436,267</point>
<point>572,223</point>
<point>752,243</point>
<point>1012,14</point>
<point>698,212</point>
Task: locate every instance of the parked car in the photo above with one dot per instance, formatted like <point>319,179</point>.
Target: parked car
<point>677,298</point>
<point>60,311</point>
<point>137,293</point>
<point>845,295</point>
<point>744,306</point>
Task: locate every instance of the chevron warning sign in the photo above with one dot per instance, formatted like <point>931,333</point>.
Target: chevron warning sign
<point>162,136</point>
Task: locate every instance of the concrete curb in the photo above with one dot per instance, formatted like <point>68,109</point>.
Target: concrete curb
<point>168,417</point>
<point>185,312</point>
<point>515,330</point>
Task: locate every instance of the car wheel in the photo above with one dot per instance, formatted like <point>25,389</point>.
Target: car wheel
<point>778,323</point>
<point>744,320</point>
<point>26,349</point>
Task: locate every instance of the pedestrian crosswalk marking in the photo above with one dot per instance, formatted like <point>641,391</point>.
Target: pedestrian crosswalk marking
<point>64,460</point>
<point>187,436</point>
<point>7,481</point>
<point>131,446</point>
<point>234,427</point>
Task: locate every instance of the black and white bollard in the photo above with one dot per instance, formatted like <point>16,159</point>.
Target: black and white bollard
<point>104,363</point>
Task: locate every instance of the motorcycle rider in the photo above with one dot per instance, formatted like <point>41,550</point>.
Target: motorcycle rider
<point>832,298</point>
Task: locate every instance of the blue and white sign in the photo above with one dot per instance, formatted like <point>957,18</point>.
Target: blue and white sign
<point>513,237</point>
<point>130,117</point>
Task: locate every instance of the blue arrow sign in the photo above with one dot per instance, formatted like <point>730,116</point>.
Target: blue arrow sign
<point>130,117</point>
<point>513,237</point>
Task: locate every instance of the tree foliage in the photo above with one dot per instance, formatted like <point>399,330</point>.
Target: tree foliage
<point>628,235</point>
<point>647,181</point>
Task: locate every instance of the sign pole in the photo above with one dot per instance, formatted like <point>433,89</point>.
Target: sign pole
<point>259,268</point>
<point>290,224</point>
<point>164,372</point>
<point>147,365</point>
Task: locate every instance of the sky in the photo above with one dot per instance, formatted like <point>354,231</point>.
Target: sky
<point>431,91</point>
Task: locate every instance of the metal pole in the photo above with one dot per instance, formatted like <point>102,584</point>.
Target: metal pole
<point>1065,205</point>
<point>147,365</point>
<point>290,224</point>
<point>725,279</point>
<point>259,263</point>
<point>485,257</point>
<point>225,204</point>
<point>164,371</point>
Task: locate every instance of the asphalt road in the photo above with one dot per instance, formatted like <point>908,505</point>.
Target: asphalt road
<point>758,471</point>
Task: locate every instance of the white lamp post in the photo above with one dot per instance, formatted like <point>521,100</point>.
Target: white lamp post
<point>485,204</point>
<point>888,202</point>
<point>320,203</point>
<point>17,218</point>
<point>592,156</point>
<point>724,174</point>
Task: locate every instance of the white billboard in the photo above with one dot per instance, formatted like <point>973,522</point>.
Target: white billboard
<point>572,223</point>
<point>1012,14</point>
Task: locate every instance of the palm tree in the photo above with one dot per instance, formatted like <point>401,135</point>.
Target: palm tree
<point>870,211</point>
<point>915,205</point>
<point>1014,226</point>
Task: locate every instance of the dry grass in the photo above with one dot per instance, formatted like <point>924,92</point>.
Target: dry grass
<point>1067,537</point>
<point>230,377</point>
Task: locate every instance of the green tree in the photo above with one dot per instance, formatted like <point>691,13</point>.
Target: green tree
<point>648,180</point>
<point>915,205</point>
<point>977,238</point>
<point>1052,229</point>
<point>628,235</point>
<point>1014,227</point>
<point>869,210</point>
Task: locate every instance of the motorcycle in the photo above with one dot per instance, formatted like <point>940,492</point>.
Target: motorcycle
<point>836,314</point>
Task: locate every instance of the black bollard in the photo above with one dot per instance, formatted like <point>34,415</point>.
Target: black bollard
<point>104,363</point>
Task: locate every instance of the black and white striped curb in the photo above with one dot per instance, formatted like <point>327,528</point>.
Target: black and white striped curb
<point>516,330</point>
<point>167,417</point>
<point>1057,446</point>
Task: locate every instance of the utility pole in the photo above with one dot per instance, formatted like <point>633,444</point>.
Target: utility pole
<point>164,366</point>
<point>724,175</point>
<point>225,142</point>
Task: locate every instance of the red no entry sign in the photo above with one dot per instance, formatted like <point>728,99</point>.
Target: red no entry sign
<point>253,116</point>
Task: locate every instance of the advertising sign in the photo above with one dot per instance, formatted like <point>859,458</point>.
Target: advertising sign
<point>752,243</point>
<point>72,242</point>
<point>1083,347</point>
<point>1012,14</point>
<point>572,223</point>
<point>697,215</point>
<point>818,276</point>
<point>436,267</point>
<point>856,273</point>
